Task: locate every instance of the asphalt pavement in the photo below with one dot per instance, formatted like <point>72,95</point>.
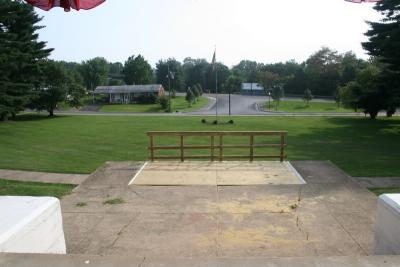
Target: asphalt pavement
<point>240,105</point>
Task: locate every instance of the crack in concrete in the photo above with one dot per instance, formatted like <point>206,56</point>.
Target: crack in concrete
<point>349,234</point>
<point>141,264</point>
<point>121,230</point>
<point>299,223</point>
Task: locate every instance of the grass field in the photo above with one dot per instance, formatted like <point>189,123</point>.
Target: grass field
<point>301,106</point>
<point>80,144</point>
<point>178,104</point>
<point>17,188</point>
<point>389,190</point>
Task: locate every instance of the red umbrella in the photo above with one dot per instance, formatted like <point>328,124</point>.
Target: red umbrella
<point>365,1</point>
<point>66,4</point>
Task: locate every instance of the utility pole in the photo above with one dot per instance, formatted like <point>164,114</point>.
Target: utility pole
<point>229,90</point>
<point>169,76</point>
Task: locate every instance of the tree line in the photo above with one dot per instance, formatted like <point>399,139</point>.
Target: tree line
<point>29,79</point>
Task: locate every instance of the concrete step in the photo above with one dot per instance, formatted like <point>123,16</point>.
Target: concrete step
<point>35,260</point>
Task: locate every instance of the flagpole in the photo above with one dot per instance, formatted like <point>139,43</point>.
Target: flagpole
<point>216,93</point>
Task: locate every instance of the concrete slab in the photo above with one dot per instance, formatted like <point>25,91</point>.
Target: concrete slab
<point>217,173</point>
<point>329,216</point>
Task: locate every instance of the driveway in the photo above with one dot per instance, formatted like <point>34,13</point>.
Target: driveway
<point>240,105</point>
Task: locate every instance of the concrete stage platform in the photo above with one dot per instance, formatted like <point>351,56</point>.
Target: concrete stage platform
<point>217,173</point>
<point>330,215</point>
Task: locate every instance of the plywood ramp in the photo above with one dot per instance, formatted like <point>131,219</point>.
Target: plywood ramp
<point>217,173</point>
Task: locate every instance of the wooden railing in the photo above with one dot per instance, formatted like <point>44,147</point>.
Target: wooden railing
<point>217,146</point>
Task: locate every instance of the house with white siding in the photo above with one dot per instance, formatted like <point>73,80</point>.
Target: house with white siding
<point>129,93</point>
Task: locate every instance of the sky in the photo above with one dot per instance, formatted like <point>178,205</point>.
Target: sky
<point>267,31</point>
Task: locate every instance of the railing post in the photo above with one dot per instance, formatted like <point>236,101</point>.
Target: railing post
<point>221,148</point>
<point>182,151</point>
<point>151,147</point>
<point>212,147</point>
<point>282,146</point>
<point>251,147</point>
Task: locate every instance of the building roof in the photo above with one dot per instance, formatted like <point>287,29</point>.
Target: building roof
<point>252,86</point>
<point>149,88</point>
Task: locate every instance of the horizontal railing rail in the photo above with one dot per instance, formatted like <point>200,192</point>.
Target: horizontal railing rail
<point>216,146</point>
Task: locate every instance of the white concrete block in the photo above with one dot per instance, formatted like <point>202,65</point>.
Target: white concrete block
<point>387,228</point>
<point>31,225</point>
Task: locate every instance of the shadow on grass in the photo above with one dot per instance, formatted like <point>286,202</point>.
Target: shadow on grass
<point>37,117</point>
<point>360,146</point>
<point>300,107</point>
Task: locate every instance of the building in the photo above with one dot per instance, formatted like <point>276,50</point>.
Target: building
<point>252,89</point>
<point>129,93</point>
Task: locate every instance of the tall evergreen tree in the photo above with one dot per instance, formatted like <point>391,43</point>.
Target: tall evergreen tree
<point>384,43</point>
<point>384,36</point>
<point>20,55</point>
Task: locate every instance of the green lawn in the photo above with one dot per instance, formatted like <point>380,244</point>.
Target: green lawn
<point>301,106</point>
<point>17,188</point>
<point>80,144</point>
<point>389,190</point>
<point>178,104</point>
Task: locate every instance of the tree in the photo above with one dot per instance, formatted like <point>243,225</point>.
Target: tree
<point>297,83</point>
<point>233,84</point>
<point>175,67</point>
<point>348,95</point>
<point>307,97</point>
<point>277,94</point>
<point>20,55</point>
<point>247,70</point>
<point>384,36</point>
<point>195,72</point>
<point>384,43</point>
<point>94,72</point>
<point>222,73</point>
<point>365,93</point>
<point>163,101</point>
<point>200,88</point>
<point>268,80</point>
<point>323,71</point>
<point>189,97</point>
<point>196,93</point>
<point>52,89</point>
<point>115,70</point>
<point>137,71</point>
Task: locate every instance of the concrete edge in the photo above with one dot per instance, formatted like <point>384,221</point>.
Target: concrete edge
<point>138,172</point>
<point>293,169</point>
<point>42,260</point>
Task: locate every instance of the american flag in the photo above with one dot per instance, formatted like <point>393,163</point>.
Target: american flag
<point>66,4</point>
<point>214,61</point>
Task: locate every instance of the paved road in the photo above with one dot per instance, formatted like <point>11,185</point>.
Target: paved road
<point>252,105</point>
<point>241,105</point>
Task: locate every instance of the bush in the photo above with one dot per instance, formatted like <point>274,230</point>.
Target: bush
<point>146,99</point>
<point>163,101</point>
<point>196,93</point>
<point>189,97</point>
